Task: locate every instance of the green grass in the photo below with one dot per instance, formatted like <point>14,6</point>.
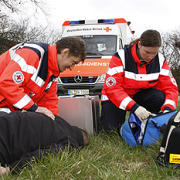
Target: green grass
<point>107,157</point>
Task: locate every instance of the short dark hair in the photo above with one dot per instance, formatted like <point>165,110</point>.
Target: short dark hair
<point>149,38</point>
<point>76,46</point>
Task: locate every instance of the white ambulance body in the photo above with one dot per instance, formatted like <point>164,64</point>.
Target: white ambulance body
<point>103,37</point>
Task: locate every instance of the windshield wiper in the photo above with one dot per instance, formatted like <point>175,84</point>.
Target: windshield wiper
<point>94,54</point>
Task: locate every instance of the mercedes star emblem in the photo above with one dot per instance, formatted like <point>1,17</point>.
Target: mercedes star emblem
<point>78,78</point>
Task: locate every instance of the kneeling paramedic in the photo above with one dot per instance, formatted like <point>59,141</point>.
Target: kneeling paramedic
<point>138,80</point>
<point>28,73</point>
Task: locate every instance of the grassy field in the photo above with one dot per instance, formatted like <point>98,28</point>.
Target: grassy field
<point>107,157</point>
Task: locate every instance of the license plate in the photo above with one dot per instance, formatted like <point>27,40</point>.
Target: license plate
<point>78,92</point>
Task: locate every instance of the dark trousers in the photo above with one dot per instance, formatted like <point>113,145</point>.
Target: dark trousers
<point>113,117</point>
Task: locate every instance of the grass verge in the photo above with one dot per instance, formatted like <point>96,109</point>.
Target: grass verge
<point>107,157</point>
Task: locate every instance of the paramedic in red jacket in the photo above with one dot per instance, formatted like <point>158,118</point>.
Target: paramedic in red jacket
<point>28,72</point>
<point>138,79</point>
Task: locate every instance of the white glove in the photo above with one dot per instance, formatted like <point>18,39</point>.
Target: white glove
<point>165,111</point>
<point>142,113</point>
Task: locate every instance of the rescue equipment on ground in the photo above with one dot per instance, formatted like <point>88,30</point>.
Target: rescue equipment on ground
<point>170,147</point>
<point>144,133</point>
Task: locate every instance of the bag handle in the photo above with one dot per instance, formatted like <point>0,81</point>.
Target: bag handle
<point>158,161</point>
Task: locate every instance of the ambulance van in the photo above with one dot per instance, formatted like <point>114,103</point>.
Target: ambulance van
<point>103,37</point>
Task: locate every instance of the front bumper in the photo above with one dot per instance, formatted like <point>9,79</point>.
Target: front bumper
<point>94,89</point>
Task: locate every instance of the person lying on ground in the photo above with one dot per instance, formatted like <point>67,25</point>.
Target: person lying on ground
<point>27,135</point>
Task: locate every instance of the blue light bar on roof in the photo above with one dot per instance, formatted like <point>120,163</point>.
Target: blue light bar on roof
<point>98,21</point>
<point>111,21</point>
<point>75,22</point>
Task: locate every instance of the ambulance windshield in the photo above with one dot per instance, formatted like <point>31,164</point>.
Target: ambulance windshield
<point>103,45</point>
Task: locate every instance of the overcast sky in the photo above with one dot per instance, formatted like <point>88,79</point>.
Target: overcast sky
<point>162,15</point>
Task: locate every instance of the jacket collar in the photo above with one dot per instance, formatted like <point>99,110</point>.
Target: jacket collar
<point>53,64</point>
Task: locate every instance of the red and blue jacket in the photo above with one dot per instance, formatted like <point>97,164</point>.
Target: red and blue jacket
<point>126,75</point>
<point>27,77</point>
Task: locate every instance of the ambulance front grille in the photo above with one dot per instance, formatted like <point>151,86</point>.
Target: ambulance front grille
<point>84,79</point>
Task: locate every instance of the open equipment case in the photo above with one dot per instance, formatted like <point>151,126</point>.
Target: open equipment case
<point>80,111</point>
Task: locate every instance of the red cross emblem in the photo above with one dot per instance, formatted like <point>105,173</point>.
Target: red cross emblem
<point>107,29</point>
<point>18,77</point>
<point>110,81</point>
<point>173,81</point>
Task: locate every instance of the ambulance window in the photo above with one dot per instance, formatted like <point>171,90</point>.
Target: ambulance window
<point>101,47</point>
<point>100,44</point>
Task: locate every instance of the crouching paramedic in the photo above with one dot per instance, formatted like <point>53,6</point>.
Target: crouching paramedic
<point>28,72</point>
<point>139,80</point>
<point>27,135</point>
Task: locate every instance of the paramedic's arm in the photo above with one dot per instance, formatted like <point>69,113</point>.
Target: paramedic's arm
<point>15,76</point>
<point>13,90</point>
<point>168,85</point>
<point>50,99</point>
<point>9,97</point>
<point>113,86</point>
<point>12,83</point>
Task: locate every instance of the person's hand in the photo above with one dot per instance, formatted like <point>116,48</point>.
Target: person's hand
<point>46,112</point>
<point>4,170</point>
<point>142,113</point>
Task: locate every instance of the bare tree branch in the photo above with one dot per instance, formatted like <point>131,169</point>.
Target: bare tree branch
<point>17,6</point>
<point>171,49</point>
<point>12,33</point>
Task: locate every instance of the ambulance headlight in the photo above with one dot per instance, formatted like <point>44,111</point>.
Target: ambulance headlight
<point>101,78</point>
